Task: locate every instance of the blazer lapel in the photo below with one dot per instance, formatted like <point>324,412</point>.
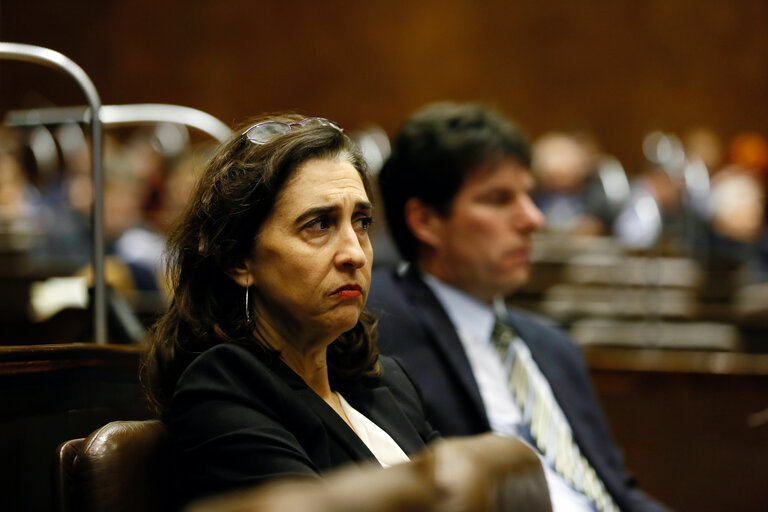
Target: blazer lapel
<point>379,405</point>
<point>444,335</point>
<point>335,426</point>
<point>376,403</point>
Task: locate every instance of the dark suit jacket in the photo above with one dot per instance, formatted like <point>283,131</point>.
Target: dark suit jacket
<point>239,417</point>
<point>414,327</point>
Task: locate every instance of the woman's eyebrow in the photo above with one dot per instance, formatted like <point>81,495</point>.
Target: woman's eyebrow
<point>326,210</point>
<point>316,211</point>
<point>364,205</point>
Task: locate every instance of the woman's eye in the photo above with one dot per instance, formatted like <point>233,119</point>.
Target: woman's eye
<point>318,224</point>
<point>364,223</point>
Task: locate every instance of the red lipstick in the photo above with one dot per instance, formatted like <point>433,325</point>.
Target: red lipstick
<point>349,291</point>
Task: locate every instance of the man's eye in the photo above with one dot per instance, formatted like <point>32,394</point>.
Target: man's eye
<point>496,198</point>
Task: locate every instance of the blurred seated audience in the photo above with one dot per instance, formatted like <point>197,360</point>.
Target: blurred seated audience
<point>654,209</point>
<point>128,236</point>
<point>561,164</point>
<point>265,363</point>
<point>65,210</point>
<point>737,204</point>
<point>141,199</point>
<point>737,223</point>
<point>19,222</point>
<point>704,144</point>
<point>144,245</point>
<point>184,171</point>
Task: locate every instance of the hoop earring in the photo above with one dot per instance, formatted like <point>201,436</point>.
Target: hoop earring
<point>247,307</point>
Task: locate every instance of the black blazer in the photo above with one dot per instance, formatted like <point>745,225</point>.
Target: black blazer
<point>239,417</point>
<point>414,327</point>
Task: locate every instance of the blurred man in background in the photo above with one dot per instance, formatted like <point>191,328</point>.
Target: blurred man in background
<point>456,192</point>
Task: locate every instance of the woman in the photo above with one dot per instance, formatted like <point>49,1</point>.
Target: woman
<point>265,364</point>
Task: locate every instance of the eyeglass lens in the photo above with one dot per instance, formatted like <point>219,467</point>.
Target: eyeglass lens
<point>264,132</point>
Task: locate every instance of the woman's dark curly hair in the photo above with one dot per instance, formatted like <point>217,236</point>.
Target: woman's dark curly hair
<point>216,233</point>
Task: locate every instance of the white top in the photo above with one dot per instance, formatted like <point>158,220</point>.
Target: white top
<point>474,321</point>
<point>381,444</point>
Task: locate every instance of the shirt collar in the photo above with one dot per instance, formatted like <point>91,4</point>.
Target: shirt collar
<point>468,315</point>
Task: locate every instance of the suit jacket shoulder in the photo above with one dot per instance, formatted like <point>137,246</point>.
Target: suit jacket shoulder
<point>415,328</point>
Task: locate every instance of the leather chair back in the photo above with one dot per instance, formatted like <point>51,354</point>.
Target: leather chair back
<point>484,473</point>
<point>489,473</point>
<point>121,467</point>
<point>124,467</point>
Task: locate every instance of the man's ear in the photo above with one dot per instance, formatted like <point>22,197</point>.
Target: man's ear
<point>424,221</point>
<point>241,274</point>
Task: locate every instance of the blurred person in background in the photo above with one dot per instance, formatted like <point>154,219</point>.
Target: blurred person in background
<point>66,208</point>
<point>179,183</point>
<point>134,190</point>
<point>147,246</point>
<point>562,164</point>
<point>19,220</point>
<point>129,237</point>
<point>456,192</point>
<point>704,144</point>
<point>653,216</point>
<point>738,212</point>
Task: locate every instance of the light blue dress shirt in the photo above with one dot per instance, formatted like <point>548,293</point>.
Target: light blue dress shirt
<point>474,321</point>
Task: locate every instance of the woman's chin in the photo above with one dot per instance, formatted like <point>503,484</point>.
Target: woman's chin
<point>344,322</point>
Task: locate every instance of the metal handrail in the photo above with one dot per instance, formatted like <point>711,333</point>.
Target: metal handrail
<point>56,60</point>
<point>123,115</point>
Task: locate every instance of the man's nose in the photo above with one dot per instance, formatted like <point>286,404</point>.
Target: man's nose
<point>529,217</point>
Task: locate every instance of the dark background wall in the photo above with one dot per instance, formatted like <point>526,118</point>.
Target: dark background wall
<point>619,69</point>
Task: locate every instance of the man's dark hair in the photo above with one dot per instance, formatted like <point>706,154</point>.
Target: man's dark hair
<point>432,155</point>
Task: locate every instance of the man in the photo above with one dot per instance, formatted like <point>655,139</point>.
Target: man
<point>456,193</point>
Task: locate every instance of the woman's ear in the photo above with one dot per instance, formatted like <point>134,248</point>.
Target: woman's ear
<point>424,222</point>
<point>242,274</point>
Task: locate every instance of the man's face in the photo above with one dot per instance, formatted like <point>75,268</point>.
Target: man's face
<point>483,244</point>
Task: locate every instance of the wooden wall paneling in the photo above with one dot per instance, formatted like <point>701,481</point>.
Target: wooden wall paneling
<point>618,69</point>
<point>693,426</point>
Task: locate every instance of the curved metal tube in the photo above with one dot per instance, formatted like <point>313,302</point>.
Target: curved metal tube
<point>54,59</point>
<point>115,115</point>
<point>124,115</point>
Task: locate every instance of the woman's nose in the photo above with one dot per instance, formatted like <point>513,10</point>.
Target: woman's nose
<point>350,252</point>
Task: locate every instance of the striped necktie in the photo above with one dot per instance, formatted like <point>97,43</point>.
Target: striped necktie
<point>548,426</point>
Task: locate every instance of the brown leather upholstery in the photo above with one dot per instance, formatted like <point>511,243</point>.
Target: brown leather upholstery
<point>122,466</point>
<point>355,488</point>
<point>483,473</point>
<point>489,473</point>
